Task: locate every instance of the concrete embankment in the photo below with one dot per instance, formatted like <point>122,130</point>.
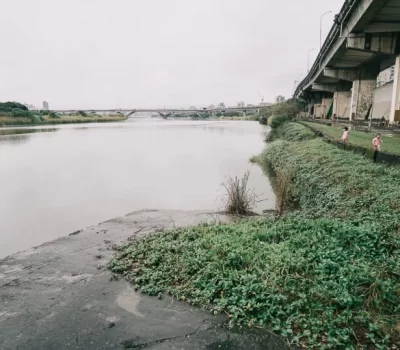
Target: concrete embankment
<point>59,296</point>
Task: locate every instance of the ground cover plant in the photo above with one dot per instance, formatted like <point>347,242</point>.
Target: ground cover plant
<point>360,138</point>
<point>326,274</point>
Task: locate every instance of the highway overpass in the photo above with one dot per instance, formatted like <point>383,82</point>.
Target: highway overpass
<point>357,72</point>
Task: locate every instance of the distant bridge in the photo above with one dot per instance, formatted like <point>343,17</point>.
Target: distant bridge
<point>164,113</point>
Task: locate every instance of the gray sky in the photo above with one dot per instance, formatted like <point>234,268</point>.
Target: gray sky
<point>155,53</point>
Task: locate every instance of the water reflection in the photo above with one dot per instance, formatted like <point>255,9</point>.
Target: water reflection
<point>14,139</point>
<point>60,182</point>
<point>9,131</point>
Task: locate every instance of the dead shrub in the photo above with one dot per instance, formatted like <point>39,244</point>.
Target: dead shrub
<point>239,199</point>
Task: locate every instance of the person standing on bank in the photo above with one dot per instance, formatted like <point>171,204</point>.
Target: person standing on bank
<point>345,136</point>
<point>383,122</point>
<point>376,143</point>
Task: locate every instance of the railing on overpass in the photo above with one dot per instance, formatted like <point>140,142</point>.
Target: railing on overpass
<point>334,33</point>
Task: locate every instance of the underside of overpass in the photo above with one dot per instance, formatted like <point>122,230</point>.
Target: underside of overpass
<point>358,58</point>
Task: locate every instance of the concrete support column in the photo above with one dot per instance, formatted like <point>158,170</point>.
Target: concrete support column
<point>395,105</point>
<point>321,109</point>
<point>361,97</point>
<point>341,104</point>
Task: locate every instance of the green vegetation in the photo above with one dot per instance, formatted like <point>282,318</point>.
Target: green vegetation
<point>9,106</point>
<point>263,120</point>
<point>390,144</point>
<point>289,131</point>
<point>326,274</point>
<point>288,110</point>
<point>252,117</point>
<point>14,110</point>
<point>233,114</point>
<point>54,118</point>
<point>14,113</point>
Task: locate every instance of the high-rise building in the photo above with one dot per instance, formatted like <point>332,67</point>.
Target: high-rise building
<point>45,105</point>
<point>279,99</point>
<point>241,104</point>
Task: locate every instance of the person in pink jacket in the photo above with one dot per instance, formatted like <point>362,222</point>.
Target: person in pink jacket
<point>346,133</point>
<point>376,144</point>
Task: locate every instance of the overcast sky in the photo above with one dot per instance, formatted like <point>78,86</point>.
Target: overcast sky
<point>155,53</point>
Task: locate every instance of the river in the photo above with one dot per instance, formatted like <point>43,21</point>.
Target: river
<point>59,179</point>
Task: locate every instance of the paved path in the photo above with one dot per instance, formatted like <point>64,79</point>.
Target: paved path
<point>59,296</point>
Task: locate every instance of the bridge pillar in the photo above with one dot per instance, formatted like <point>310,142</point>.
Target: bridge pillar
<point>165,115</point>
<point>362,94</point>
<point>321,109</point>
<point>394,115</point>
<point>341,104</point>
<point>130,113</point>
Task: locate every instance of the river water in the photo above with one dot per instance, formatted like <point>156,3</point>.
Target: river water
<point>56,180</point>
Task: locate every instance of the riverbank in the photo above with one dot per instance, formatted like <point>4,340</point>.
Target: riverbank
<point>361,138</point>
<point>324,275</point>
<point>48,120</point>
<point>252,117</point>
<point>59,296</point>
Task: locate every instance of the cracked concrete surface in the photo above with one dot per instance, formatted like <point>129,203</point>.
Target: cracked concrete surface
<point>59,296</point>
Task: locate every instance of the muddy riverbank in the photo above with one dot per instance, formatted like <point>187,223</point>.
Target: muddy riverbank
<point>59,296</point>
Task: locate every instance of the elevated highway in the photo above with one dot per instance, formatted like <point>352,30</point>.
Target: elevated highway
<point>362,45</point>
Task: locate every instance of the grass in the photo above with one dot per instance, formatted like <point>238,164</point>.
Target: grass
<point>43,120</point>
<point>10,120</point>
<point>251,117</point>
<point>390,144</point>
<point>326,275</point>
<point>83,119</point>
<point>291,132</point>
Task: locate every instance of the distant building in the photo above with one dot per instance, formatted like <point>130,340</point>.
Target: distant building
<point>265,104</point>
<point>211,107</point>
<point>30,107</point>
<point>241,104</point>
<point>250,105</point>
<point>45,105</point>
<point>279,99</point>
<point>221,105</point>
<point>192,107</point>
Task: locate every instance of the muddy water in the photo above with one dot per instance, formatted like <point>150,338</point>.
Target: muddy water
<point>56,180</point>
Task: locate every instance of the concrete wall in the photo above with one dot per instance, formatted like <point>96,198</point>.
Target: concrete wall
<point>361,98</point>
<point>382,101</point>
<point>341,104</point>
<point>321,109</point>
<point>395,104</point>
